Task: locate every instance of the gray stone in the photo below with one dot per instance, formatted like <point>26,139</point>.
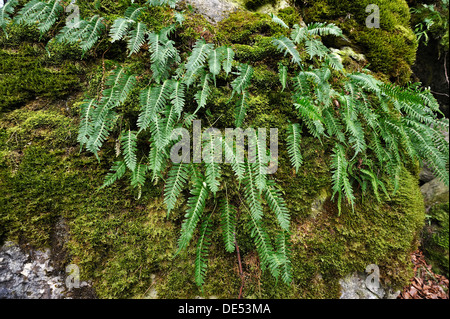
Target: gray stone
<point>354,287</point>
<point>434,192</point>
<point>214,10</point>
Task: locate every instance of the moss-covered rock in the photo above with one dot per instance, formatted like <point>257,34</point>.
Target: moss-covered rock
<point>390,49</point>
<point>126,244</point>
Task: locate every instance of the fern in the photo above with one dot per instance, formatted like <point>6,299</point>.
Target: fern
<point>203,244</point>
<point>340,178</point>
<point>278,21</point>
<point>293,146</point>
<point>5,12</point>
<point>129,148</point>
<point>137,38</point>
<point>286,45</point>
<point>277,205</point>
<point>41,13</point>
<point>241,109</point>
<point>117,172</point>
<point>242,82</point>
<point>177,178</point>
<point>284,256</point>
<point>196,206</point>
<point>204,91</point>
<point>228,223</point>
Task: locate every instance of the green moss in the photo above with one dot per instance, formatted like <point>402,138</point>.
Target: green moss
<point>390,50</point>
<point>436,234</point>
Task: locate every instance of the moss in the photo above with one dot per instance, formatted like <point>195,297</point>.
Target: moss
<point>25,77</point>
<point>390,50</point>
<point>435,238</point>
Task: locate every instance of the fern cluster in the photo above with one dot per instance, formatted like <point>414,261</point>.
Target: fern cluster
<point>163,109</point>
<point>374,127</point>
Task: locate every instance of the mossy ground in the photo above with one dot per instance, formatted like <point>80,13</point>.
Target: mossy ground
<point>120,241</point>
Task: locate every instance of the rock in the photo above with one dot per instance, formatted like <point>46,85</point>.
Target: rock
<point>434,192</point>
<point>30,275</point>
<point>214,10</point>
<point>354,287</point>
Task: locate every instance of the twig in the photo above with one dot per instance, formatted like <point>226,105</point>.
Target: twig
<point>241,273</point>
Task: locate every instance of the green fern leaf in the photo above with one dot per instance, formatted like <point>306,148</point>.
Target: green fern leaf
<point>241,109</point>
<point>284,256</point>
<point>286,45</point>
<point>228,223</point>
<point>293,146</point>
<point>85,129</point>
<point>129,148</point>
<point>202,95</point>
<point>203,244</point>
<point>5,12</point>
<point>177,178</point>
<point>228,59</point>
<point>277,204</point>
<point>242,82</point>
<point>117,171</point>
<point>137,38</point>
<point>283,74</point>
<point>196,206</point>
<point>278,21</point>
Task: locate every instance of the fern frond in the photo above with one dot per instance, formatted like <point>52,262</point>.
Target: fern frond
<point>277,204</point>
<point>100,132</point>
<point>203,244</point>
<point>340,179</point>
<point>316,48</point>
<point>241,109</point>
<point>129,148</point>
<point>284,255</point>
<point>241,83</point>
<point>177,178</point>
<point>251,192</point>
<point>157,3</point>
<point>228,59</point>
<point>323,29</point>
<point>200,53</point>
<point>137,38</point>
<point>196,206</point>
<point>286,46</point>
<point>120,28</point>
<point>298,34</point>
<point>278,21</point>
<point>283,75</point>
<point>212,156</point>
<point>228,223</point>
<point>40,13</point>
<point>85,128</point>
<point>138,176</point>
<point>5,12</point>
<point>202,95</point>
<point>91,35</point>
<point>117,171</point>
<point>230,157</point>
<point>133,12</point>
<point>215,60</point>
<point>293,146</point>
<point>178,97</point>
<point>264,246</point>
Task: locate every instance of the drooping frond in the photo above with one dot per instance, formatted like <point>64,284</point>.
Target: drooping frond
<point>283,75</point>
<point>251,193</point>
<point>176,180</point>
<point>298,34</point>
<point>241,109</point>
<point>100,132</point>
<point>215,60</point>
<point>120,28</point>
<point>286,46</point>
<point>196,206</point>
<point>228,224</point>
<point>129,148</point>
<point>277,204</point>
<point>133,12</point>
<point>178,97</point>
<point>42,13</point>
<point>204,91</point>
<point>138,176</point>
<point>200,53</point>
<point>212,156</point>
<point>5,12</point>
<point>228,59</point>
<point>85,128</point>
<point>137,38</point>
<point>282,244</point>
<point>241,83</point>
<point>203,244</point>
<point>293,145</point>
<point>231,158</point>
<point>117,171</point>
<point>340,179</point>
<point>279,21</point>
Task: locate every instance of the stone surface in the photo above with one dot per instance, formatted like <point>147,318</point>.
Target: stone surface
<point>30,275</point>
<point>354,287</point>
<point>214,10</point>
<point>434,192</point>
